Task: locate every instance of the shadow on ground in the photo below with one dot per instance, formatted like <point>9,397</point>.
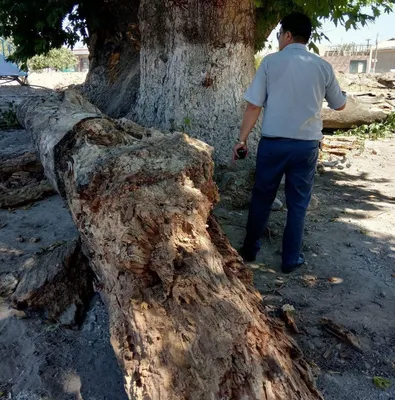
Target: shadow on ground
<point>349,277</point>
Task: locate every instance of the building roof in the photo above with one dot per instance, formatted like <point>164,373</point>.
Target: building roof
<point>82,51</point>
<point>387,44</point>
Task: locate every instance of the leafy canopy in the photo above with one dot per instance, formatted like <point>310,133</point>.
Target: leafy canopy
<point>37,26</point>
<point>350,14</point>
<point>56,58</point>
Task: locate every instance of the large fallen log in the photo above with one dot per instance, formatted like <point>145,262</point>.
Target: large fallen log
<point>357,112</point>
<point>185,321</point>
<point>387,80</point>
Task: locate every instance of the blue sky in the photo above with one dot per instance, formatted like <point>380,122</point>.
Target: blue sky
<point>384,26</point>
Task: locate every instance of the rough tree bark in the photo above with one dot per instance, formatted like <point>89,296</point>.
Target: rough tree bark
<point>186,322</point>
<point>112,83</point>
<point>197,59</point>
<point>188,71</point>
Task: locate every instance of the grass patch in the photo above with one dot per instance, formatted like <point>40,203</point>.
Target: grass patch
<point>382,383</point>
<point>375,131</point>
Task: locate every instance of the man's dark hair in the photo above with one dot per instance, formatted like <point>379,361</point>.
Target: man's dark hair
<point>299,25</point>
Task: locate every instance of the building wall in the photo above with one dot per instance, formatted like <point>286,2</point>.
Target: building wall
<point>342,63</point>
<point>82,55</point>
<point>83,63</point>
<point>385,60</point>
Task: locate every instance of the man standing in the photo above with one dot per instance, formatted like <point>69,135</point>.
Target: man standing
<point>291,85</point>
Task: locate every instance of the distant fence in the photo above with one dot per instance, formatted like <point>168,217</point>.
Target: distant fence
<point>347,50</point>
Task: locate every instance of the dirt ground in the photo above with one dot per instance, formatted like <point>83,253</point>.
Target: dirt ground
<point>350,237</point>
<point>56,80</point>
<point>40,360</point>
<point>349,278</point>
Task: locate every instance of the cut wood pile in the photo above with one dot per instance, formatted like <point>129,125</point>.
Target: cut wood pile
<point>340,145</point>
<point>337,152</point>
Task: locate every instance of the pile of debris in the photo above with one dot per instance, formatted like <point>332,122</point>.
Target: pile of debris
<point>358,83</point>
<point>337,150</point>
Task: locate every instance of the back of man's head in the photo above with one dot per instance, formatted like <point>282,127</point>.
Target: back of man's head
<point>299,25</point>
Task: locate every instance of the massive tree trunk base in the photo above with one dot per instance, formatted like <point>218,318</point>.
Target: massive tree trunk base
<point>112,83</point>
<point>197,60</point>
<point>185,321</point>
<point>198,93</point>
<point>175,66</point>
<point>114,92</point>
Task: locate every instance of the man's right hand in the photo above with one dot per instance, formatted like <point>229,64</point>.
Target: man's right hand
<point>237,147</point>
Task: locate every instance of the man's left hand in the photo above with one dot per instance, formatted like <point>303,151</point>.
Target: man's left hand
<point>238,146</point>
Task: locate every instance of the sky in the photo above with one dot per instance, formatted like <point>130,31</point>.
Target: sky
<point>384,26</point>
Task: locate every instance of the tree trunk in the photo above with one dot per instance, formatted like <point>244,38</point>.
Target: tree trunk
<point>197,59</point>
<point>185,321</point>
<point>112,83</point>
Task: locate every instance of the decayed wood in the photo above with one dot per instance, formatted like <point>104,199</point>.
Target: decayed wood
<point>29,192</point>
<point>26,161</point>
<point>286,315</point>
<point>21,175</point>
<point>337,145</point>
<point>336,152</point>
<point>341,333</point>
<point>351,139</point>
<point>46,141</point>
<point>57,282</point>
<point>185,321</point>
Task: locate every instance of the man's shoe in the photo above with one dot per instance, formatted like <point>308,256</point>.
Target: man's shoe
<point>287,269</point>
<point>246,256</point>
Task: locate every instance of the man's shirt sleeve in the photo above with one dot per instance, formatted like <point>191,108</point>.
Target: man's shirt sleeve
<point>333,93</point>
<point>256,94</point>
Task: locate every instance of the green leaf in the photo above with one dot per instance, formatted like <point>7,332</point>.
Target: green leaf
<point>57,59</point>
<point>376,11</point>
<point>313,46</point>
<point>382,383</point>
<point>348,24</point>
